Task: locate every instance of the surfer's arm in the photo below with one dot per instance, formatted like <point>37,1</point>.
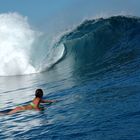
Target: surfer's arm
<point>48,101</point>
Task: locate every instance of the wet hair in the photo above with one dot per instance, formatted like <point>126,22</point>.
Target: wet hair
<point>39,93</point>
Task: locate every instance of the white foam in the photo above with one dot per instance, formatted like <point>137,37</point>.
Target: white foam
<point>22,48</point>
<point>16,40</point>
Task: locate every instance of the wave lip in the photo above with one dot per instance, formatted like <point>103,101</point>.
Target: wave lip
<point>54,56</point>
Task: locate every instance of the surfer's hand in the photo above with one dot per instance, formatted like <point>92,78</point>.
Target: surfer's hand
<point>54,101</point>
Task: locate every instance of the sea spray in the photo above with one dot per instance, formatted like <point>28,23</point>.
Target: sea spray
<point>16,40</point>
<point>22,49</point>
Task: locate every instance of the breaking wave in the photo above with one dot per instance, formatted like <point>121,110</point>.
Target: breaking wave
<point>108,44</point>
<point>24,50</point>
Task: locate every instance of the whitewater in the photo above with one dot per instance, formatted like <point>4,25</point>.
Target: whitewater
<point>93,70</point>
<point>19,47</point>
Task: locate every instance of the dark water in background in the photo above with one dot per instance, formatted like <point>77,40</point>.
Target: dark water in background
<point>97,83</point>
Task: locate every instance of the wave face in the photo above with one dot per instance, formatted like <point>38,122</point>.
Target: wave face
<point>22,49</point>
<point>107,45</point>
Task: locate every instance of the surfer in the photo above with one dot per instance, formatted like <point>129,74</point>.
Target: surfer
<point>35,104</point>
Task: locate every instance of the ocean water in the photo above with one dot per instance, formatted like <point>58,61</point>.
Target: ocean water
<point>93,71</point>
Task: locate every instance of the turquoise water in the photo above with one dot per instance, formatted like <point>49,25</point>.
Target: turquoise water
<point>96,80</point>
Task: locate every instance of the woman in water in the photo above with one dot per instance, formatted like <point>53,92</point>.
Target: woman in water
<point>33,105</point>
